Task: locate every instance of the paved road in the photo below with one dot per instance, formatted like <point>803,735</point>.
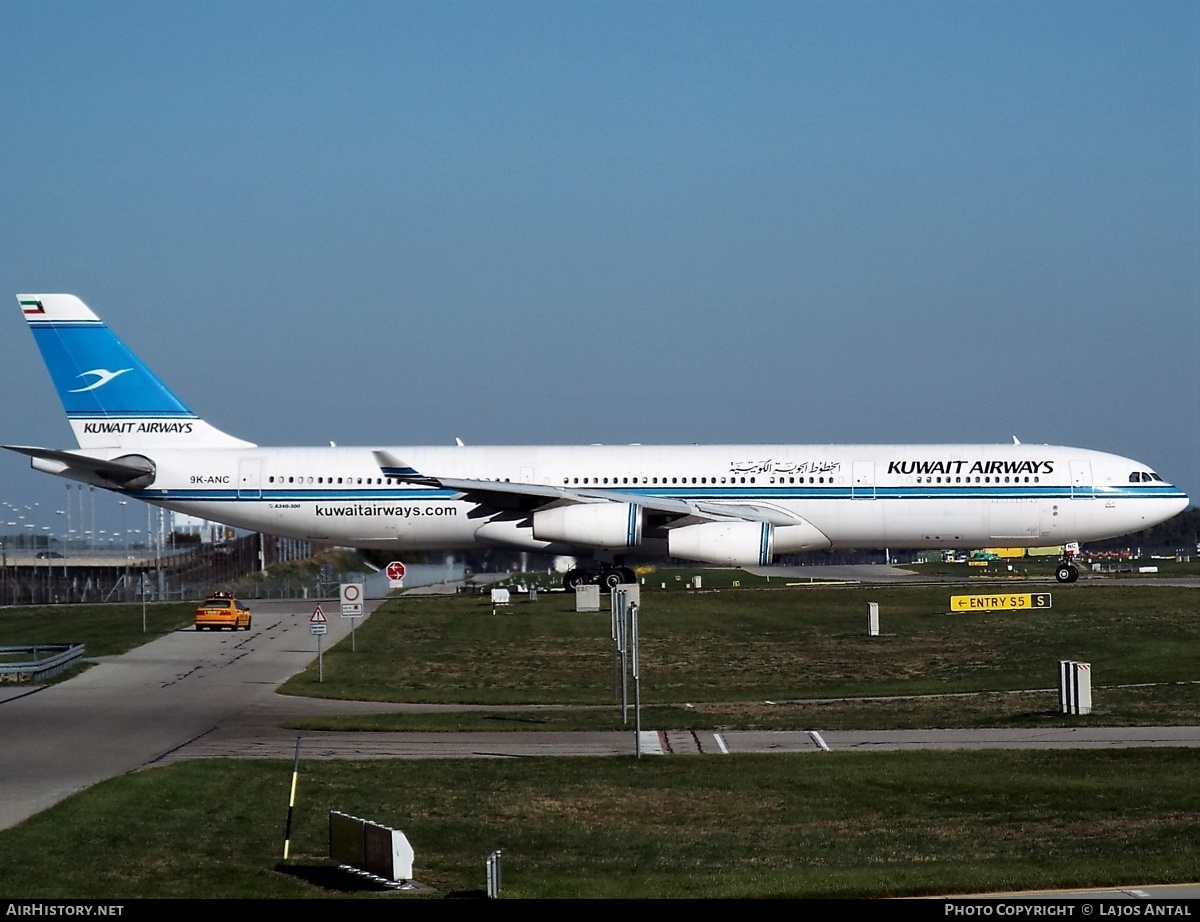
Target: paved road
<point>134,709</point>
<point>261,737</point>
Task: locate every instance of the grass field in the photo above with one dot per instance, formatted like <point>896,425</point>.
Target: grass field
<point>868,824</point>
<point>104,630</point>
<point>726,653</point>
<point>814,824</point>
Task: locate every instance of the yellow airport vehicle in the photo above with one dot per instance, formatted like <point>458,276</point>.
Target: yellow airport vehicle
<point>221,610</point>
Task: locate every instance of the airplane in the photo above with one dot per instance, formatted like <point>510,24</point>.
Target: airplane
<point>726,505</point>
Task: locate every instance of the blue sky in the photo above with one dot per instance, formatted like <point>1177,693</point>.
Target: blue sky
<point>398,223</point>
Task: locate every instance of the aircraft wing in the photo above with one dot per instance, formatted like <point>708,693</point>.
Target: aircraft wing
<point>503,494</point>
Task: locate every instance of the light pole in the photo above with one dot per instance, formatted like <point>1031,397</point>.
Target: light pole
<point>66,539</point>
<point>49,564</point>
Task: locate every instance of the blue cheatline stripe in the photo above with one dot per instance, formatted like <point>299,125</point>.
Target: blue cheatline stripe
<point>924,491</point>
<point>834,493</point>
<point>293,496</point>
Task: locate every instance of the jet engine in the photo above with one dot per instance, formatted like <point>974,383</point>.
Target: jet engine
<point>792,539</point>
<point>591,524</point>
<point>731,544</point>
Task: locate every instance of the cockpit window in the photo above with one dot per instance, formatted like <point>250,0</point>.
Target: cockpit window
<point>1135,477</point>
<point>1156,477</point>
<point>1145,477</point>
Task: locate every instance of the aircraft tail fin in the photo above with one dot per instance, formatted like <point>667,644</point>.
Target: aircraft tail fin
<point>111,398</point>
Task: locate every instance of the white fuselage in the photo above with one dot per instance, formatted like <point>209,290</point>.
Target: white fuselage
<point>855,495</point>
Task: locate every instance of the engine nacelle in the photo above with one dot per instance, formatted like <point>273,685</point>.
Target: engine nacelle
<point>731,544</point>
<point>591,524</point>
<point>792,539</point>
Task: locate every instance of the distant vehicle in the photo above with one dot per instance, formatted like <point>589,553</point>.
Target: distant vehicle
<point>49,555</point>
<point>221,610</point>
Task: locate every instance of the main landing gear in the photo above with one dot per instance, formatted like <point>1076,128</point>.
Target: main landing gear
<point>1066,572</point>
<point>608,578</point>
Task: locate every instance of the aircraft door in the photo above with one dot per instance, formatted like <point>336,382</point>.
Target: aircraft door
<point>863,481</point>
<point>250,479</point>
<point>1081,480</point>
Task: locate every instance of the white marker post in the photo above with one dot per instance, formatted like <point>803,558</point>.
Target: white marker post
<point>1074,687</point>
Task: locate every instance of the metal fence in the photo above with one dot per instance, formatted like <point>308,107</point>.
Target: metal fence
<point>186,573</point>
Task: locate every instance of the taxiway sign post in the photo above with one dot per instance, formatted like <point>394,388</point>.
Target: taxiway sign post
<point>1002,601</point>
<point>637,680</point>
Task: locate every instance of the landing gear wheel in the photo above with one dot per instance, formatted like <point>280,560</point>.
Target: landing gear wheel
<point>1066,573</point>
<point>628,576</point>
<point>611,579</point>
<point>574,579</point>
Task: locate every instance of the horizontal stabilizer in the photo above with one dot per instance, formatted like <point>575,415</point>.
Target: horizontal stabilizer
<point>130,471</point>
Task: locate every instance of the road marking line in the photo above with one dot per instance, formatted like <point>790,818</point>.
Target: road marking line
<point>816,738</point>
<point>721,743</point>
<point>650,743</point>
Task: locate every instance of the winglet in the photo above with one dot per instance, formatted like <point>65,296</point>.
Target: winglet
<point>391,466</point>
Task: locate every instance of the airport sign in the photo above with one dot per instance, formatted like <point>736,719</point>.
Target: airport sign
<point>317,624</point>
<point>1012,601</point>
<point>395,574</point>
<point>352,600</point>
